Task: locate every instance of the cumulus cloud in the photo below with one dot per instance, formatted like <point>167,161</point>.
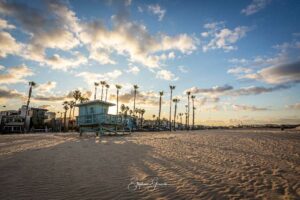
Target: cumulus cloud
<point>90,77</point>
<point>131,39</point>
<point>157,10</point>
<point>8,44</point>
<point>183,69</point>
<point>59,97</point>
<point>255,6</point>
<point>166,75</point>
<point>278,74</point>
<point>5,25</point>
<point>15,74</point>
<point>239,70</point>
<point>237,107</point>
<point>222,37</point>
<point>6,93</point>
<point>133,69</point>
<point>255,90</point>
<point>45,87</point>
<point>144,98</point>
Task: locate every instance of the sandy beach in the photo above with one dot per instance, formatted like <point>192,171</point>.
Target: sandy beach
<point>207,164</point>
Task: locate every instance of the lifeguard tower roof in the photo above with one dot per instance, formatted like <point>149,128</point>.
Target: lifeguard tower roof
<point>95,102</point>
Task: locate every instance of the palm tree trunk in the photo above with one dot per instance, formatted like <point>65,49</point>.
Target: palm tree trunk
<point>106,94</point>
<point>188,116</point>
<point>134,99</point>
<point>159,111</point>
<point>65,121</point>
<point>117,101</point>
<point>193,115</point>
<point>175,114</point>
<point>170,111</point>
<point>95,96</point>
<point>102,93</point>
<point>28,100</point>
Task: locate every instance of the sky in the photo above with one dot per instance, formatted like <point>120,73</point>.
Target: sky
<point>241,59</point>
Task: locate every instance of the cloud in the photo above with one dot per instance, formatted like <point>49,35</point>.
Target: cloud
<point>228,90</point>
<point>59,98</point>
<point>254,90</point>
<point>222,37</point>
<point>8,45</point>
<point>102,57</point>
<point>55,27</point>
<point>237,107</point>
<point>294,106</point>
<point>157,10</point>
<point>90,77</point>
<point>6,93</point>
<point>131,39</point>
<point>255,6</point>
<point>15,74</point>
<point>183,69</point>
<point>5,25</point>
<point>45,87</point>
<point>166,75</point>
<point>145,98</point>
<point>133,69</point>
<point>239,70</point>
<point>216,90</point>
<point>278,74</point>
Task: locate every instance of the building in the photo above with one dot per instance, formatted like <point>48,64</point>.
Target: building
<point>93,116</point>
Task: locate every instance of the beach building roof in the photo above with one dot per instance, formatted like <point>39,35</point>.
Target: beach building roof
<point>95,102</point>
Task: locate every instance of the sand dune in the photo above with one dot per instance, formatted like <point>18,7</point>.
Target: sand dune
<point>214,164</point>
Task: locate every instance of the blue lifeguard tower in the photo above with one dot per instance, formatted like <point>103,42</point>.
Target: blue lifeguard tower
<point>93,117</point>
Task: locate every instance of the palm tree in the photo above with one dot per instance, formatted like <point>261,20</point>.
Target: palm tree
<point>161,93</point>
<point>83,99</point>
<point>71,105</point>
<point>172,87</point>
<point>123,107</point>
<point>188,93</point>
<point>193,100</point>
<point>142,112</point>
<point>31,85</point>
<point>118,88</point>
<point>96,85</point>
<point>66,108</point>
<point>103,83</point>
<point>176,100</point>
<point>135,87</point>
<point>186,114</point>
<point>180,115</point>
<point>107,87</point>
<point>76,96</point>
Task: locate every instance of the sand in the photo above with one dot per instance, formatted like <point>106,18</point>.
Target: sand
<point>207,164</point>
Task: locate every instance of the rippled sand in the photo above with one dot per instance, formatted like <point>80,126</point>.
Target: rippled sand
<point>214,164</point>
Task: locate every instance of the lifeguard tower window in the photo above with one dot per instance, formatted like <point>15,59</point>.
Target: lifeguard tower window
<point>92,110</point>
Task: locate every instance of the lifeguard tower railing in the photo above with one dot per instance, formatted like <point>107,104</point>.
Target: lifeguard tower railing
<point>99,119</point>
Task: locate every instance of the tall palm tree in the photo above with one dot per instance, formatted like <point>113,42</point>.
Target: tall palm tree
<point>66,108</point>
<point>123,108</point>
<point>175,100</point>
<point>96,85</point>
<point>135,87</point>
<point>31,85</point>
<point>172,87</point>
<point>103,83</point>
<point>142,112</point>
<point>107,87</point>
<point>161,93</point>
<point>180,115</point>
<point>193,101</point>
<point>186,116</point>
<point>188,93</point>
<point>71,105</point>
<point>118,88</point>
<point>76,96</point>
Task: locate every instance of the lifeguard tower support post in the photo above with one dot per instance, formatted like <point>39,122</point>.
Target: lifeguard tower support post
<point>93,116</point>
